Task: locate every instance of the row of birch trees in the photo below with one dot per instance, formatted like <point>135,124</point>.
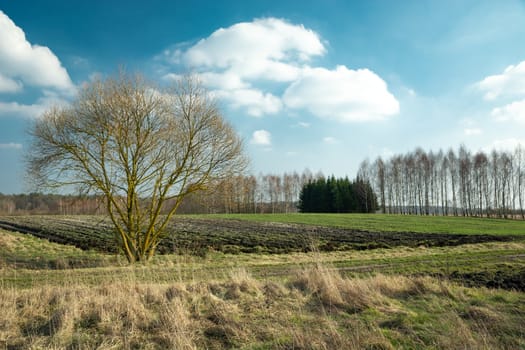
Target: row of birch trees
<point>455,182</point>
<point>264,193</point>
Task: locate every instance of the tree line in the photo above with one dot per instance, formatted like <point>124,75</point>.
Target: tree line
<point>262,193</point>
<point>455,182</point>
<point>45,204</point>
<point>337,196</point>
<point>460,183</point>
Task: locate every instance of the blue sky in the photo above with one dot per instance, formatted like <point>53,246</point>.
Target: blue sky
<point>321,85</point>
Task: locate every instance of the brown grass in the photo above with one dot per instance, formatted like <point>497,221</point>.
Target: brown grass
<point>317,309</point>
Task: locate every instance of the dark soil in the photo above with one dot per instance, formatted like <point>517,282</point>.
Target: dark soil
<point>198,236</point>
<point>503,279</point>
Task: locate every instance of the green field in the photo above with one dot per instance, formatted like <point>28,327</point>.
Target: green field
<point>427,287</point>
<point>394,223</point>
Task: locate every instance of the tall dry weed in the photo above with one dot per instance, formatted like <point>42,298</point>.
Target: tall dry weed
<point>316,309</point>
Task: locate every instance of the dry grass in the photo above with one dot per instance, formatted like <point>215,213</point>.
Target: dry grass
<point>317,309</point>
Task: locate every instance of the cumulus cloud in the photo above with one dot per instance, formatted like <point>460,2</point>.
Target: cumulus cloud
<point>262,138</point>
<point>259,48</point>
<point>34,110</point>
<point>231,59</point>
<point>9,85</point>
<point>22,110</point>
<point>514,111</point>
<point>255,102</point>
<point>227,80</point>
<point>250,64</point>
<point>31,64</point>
<point>11,145</point>
<point>509,83</point>
<point>342,94</point>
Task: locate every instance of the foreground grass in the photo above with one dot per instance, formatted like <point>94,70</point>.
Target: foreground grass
<point>393,223</point>
<point>61,297</point>
<point>316,308</point>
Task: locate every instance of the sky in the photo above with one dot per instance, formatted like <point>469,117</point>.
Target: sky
<point>319,85</point>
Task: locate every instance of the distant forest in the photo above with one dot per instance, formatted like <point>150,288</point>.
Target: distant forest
<point>458,183</point>
<point>267,193</point>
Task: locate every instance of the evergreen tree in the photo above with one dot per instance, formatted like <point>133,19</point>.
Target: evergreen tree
<point>337,196</point>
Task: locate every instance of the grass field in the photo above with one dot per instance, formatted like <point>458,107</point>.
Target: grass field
<point>450,296</point>
<point>394,223</point>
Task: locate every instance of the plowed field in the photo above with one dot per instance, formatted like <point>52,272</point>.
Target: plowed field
<point>198,235</point>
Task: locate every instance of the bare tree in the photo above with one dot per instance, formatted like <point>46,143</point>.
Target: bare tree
<point>397,180</point>
<point>441,183</point>
<point>288,191</point>
<point>494,173</point>
<point>453,169</point>
<point>363,175</point>
<point>520,174</point>
<point>505,167</point>
<point>480,178</point>
<point>140,148</point>
<point>380,172</point>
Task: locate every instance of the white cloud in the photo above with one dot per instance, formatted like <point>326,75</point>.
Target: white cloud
<point>9,85</point>
<point>226,81</point>
<point>11,145</point>
<point>303,124</point>
<point>231,61</point>
<point>34,110</point>
<point>247,63</point>
<point>342,94</point>
<point>255,102</point>
<point>33,64</point>
<point>510,83</point>
<point>262,138</point>
<point>514,111</point>
<point>220,81</point>
<point>472,131</point>
<point>330,140</point>
<point>254,49</point>
<point>22,110</point>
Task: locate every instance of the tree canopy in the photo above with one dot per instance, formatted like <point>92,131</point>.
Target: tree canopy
<point>337,196</point>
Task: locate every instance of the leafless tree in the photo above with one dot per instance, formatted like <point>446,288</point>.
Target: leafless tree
<point>380,172</point>
<point>453,170</point>
<point>480,180</point>
<point>139,147</point>
<point>520,177</point>
<point>459,183</point>
<point>506,173</point>
<point>494,173</point>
